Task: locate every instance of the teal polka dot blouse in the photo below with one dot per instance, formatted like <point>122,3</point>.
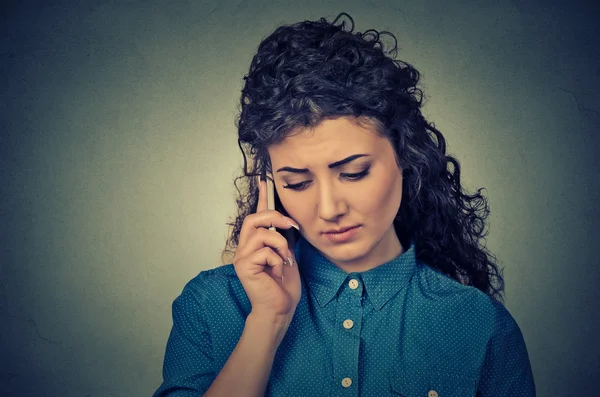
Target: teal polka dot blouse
<point>400,329</point>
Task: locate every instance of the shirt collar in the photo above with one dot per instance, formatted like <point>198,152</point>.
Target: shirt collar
<point>381,283</point>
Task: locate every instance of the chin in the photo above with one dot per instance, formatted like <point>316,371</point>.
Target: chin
<point>345,252</point>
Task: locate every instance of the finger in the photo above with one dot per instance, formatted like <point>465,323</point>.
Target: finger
<point>267,238</point>
<point>268,218</point>
<point>275,264</point>
<point>276,271</point>
<point>263,260</point>
<point>264,219</point>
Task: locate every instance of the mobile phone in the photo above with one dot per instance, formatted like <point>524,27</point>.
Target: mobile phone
<point>270,196</point>
<point>288,234</point>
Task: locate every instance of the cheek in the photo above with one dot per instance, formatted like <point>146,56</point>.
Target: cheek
<point>383,197</point>
<point>293,206</point>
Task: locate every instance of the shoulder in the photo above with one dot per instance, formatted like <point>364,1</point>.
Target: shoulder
<point>444,294</point>
<point>212,278</point>
<point>216,285</point>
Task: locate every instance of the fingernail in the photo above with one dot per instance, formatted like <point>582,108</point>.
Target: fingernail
<point>291,223</point>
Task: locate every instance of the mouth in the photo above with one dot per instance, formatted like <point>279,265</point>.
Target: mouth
<point>340,231</point>
<point>345,235</point>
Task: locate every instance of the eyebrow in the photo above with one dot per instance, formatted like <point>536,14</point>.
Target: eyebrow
<point>332,165</point>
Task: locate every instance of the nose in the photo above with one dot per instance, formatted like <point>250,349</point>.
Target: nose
<point>331,203</point>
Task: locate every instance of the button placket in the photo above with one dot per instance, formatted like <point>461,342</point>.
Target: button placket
<point>347,338</point>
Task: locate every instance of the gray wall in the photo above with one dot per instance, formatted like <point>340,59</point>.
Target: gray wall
<point>118,152</point>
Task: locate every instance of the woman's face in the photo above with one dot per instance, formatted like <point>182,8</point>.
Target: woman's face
<point>321,196</point>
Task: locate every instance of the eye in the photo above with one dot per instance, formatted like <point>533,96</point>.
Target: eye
<point>352,177</point>
<point>296,186</point>
<point>355,177</point>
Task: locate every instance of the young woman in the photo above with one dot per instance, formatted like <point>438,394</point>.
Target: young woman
<point>377,281</point>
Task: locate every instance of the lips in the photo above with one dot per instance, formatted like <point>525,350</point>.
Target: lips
<point>342,230</point>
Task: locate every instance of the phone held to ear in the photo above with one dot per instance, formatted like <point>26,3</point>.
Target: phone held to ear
<point>288,234</point>
<point>270,197</point>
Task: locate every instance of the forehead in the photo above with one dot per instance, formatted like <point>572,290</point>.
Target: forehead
<point>331,137</point>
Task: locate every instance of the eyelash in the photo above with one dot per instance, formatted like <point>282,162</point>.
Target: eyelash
<point>352,177</point>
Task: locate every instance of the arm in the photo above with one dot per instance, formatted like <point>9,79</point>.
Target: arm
<point>506,369</point>
<point>188,368</point>
<point>247,370</point>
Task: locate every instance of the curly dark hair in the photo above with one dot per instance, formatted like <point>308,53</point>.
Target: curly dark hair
<point>310,71</point>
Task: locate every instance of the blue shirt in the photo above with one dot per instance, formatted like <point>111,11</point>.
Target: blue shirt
<point>400,329</point>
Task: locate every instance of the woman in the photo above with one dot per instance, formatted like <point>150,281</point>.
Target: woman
<point>406,302</point>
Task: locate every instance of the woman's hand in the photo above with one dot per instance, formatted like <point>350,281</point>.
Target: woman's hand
<point>261,262</point>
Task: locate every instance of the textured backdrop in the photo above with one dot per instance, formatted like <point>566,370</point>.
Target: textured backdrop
<point>118,153</point>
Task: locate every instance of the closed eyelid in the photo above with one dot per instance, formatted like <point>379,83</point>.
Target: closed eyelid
<point>356,169</point>
<point>358,175</point>
<point>343,169</point>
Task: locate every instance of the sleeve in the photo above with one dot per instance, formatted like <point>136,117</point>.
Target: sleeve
<point>188,364</point>
<point>506,369</point>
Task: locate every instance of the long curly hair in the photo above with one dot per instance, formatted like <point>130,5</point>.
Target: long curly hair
<point>310,71</point>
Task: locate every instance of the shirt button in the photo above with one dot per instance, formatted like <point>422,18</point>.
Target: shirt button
<point>346,382</point>
<point>432,393</point>
<point>348,324</point>
<point>353,284</point>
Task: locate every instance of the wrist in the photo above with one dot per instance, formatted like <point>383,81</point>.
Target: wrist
<point>271,326</point>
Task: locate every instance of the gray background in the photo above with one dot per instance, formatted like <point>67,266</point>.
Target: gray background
<point>118,153</point>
